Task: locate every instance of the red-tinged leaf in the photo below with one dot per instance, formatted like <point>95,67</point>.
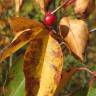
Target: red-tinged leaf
<point>75,34</point>
<point>43,66</point>
<point>65,78</point>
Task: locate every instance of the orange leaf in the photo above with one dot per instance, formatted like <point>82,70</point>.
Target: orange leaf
<point>24,35</point>
<point>21,23</point>
<point>75,34</point>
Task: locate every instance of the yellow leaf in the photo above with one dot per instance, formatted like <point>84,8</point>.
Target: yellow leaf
<point>33,62</point>
<point>52,68</point>
<point>75,34</point>
<point>43,62</point>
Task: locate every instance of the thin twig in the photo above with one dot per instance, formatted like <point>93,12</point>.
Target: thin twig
<point>6,75</point>
<point>10,61</point>
<point>3,87</point>
<point>88,70</point>
<point>65,3</point>
<point>93,30</point>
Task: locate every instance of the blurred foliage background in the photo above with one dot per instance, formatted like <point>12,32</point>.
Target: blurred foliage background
<point>11,70</point>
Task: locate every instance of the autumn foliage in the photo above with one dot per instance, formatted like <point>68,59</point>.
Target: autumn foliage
<point>44,56</point>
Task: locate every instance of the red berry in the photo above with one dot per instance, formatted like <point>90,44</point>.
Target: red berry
<point>49,19</point>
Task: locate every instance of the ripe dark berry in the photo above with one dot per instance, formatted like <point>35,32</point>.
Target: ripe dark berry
<point>49,19</point>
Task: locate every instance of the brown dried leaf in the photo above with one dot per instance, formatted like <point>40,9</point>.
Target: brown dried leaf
<point>5,5</point>
<point>2,24</point>
<point>84,7</point>
<point>8,4</point>
<point>2,9</point>
<point>3,41</point>
<point>75,34</point>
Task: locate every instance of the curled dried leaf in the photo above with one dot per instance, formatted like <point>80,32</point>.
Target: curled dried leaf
<point>75,34</point>
<point>84,7</point>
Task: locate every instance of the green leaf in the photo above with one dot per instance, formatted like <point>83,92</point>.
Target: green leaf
<point>81,92</point>
<point>16,86</point>
<point>27,7</point>
<point>92,91</point>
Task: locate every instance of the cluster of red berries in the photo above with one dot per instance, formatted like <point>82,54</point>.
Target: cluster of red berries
<point>50,18</point>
